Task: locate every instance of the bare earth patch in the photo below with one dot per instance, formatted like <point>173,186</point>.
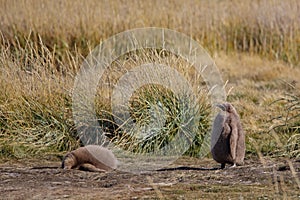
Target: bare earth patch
<point>188,178</point>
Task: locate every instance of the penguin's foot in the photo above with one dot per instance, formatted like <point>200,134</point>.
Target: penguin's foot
<point>233,166</point>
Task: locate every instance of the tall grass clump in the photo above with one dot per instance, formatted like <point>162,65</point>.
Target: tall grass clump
<point>158,117</point>
<point>35,114</point>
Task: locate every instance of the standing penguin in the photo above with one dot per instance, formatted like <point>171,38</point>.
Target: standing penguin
<point>228,137</point>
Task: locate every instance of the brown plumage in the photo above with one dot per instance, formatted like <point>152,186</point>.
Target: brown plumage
<point>228,137</point>
<point>91,158</point>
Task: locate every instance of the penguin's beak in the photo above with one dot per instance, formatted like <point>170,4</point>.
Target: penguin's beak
<point>221,106</point>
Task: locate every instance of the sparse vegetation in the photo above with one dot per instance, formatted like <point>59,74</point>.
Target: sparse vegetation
<point>288,127</point>
<point>255,44</point>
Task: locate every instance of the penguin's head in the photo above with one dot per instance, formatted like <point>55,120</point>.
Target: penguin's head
<point>69,161</point>
<point>226,107</point>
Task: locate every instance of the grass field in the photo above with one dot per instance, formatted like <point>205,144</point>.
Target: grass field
<point>256,45</point>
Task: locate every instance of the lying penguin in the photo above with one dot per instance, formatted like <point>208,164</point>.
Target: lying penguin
<point>90,158</point>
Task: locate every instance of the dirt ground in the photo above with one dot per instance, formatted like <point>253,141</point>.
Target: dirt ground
<point>187,178</point>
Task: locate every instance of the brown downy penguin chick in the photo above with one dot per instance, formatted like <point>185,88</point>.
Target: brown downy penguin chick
<point>91,158</point>
<point>228,137</point>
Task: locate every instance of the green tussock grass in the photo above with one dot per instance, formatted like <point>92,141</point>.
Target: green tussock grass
<point>156,114</point>
<point>160,117</point>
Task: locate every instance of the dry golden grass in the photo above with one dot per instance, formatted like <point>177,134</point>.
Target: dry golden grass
<point>254,43</point>
<point>269,28</point>
<point>35,100</point>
